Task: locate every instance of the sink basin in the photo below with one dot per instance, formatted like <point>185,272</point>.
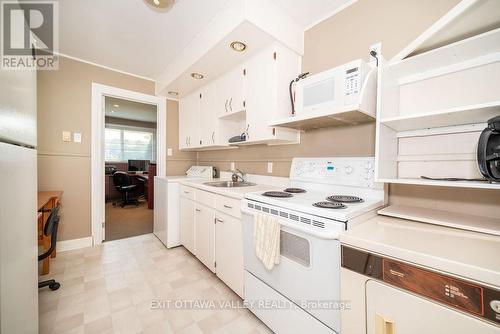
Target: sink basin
<point>229,184</point>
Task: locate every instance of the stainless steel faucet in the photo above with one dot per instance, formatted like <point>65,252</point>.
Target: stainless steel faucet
<point>237,176</point>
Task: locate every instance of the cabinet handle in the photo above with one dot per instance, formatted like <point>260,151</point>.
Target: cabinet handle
<point>383,325</point>
<point>198,210</point>
<point>228,206</point>
<point>230,104</point>
<point>219,220</point>
<point>189,141</point>
<point>225,105</point>
<point>186,192</point>
<point>213,137</point>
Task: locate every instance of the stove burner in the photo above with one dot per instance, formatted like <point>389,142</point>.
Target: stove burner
<point>276,194</point>
<point>344,199</point>
<point>329,205</point>
<point>295,190</point>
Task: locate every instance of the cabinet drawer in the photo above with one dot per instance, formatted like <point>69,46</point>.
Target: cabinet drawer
<point>205,198</point>
<point>187,192</point>
<point>229,206</point>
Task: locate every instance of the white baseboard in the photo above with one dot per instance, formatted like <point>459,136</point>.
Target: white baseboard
<point>67,245</point>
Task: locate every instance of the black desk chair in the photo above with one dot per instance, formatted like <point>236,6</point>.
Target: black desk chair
<point>50,229</point>
<point>123,183</point>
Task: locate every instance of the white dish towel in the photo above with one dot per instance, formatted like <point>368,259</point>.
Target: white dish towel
<point>267,240</point>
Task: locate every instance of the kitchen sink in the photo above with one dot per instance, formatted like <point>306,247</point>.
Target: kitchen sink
<point>229,184</point>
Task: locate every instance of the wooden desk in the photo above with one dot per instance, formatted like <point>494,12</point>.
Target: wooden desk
<point>46,200</point>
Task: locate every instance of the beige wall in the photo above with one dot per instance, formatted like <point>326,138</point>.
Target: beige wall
<point>64,99</point>
<point>343,37</point>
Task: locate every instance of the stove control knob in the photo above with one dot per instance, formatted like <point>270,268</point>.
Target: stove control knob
<point>495,305</point>
<point>349,169</point>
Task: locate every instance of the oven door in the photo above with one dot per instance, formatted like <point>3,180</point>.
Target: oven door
<point>309,268</point>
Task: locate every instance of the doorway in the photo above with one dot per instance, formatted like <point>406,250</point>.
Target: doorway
<point>120,116</point>
<point>130,167</point>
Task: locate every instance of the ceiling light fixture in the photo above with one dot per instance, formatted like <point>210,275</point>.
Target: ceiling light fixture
<point>173,93</point>
<point>197,76</point>
<point>116,105</point>
<point>160,4</point>
<point>238,46</point>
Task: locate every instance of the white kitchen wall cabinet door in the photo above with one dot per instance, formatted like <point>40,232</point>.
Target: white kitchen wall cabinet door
<point>205,235</point>
<point>189,133</point>
<point>187,229</point>
<point>230,92</point>
<point>208,119</point>
<point>268,75</point>
<point>229,252</point>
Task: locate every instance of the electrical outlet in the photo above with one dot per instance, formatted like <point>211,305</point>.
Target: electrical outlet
<point>269,167</point>
<point>66,136</point>
<point>77,137</point>
<point>377,47</point>
<point>232,166</point>
<point>169,152</point>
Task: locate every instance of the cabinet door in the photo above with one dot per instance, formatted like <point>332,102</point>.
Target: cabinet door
<point>189,121</point>
<point>390,310</point>
<point>229,252</point>
<point>208,118</point>
<point>184,106</point>
<point>236,82</point>
<point>259,91</point>
<point>187,224</point>
<point>205,235</point>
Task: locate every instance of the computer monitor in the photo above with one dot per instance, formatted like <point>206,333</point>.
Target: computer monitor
<point>138,165</point>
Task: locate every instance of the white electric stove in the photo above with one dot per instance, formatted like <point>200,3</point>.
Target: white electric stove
<point>326,197</point>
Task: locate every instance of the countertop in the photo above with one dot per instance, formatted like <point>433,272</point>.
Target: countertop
<point>468,254</point>
<point>237,192</point>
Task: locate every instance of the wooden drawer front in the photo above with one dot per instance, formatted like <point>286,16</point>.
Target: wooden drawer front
<point>205,198</point>
<point>229,206</point>
<point>187,192</point>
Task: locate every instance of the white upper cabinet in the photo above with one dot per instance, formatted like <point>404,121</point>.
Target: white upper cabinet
<point>188,121</point>
<point>245,99</point>
<point>268,75</point>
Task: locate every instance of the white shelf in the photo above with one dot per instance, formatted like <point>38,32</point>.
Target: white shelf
<point>444,218</point>
<point>348,115</point>
<point>472,114</point>
<point>458,184</point>
<point>467,52</point>
<point>234,116</point>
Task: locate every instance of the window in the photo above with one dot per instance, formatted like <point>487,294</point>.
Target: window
<point>123,143</point>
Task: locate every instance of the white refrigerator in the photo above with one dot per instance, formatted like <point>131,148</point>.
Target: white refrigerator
<point>18,197</point>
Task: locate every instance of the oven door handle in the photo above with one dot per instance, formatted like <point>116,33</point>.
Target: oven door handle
<point>314,233</point>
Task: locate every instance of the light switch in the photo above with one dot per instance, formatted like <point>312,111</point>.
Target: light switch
<point>66,136</point>
<point>269,167</point>
<point>77,137</point>
<point>232,166</point>
<point>169,152</point>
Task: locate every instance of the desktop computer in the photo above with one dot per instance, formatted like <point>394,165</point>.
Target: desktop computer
<point>138,165</point>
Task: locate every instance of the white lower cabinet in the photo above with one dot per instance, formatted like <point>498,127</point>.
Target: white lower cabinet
<point>204,219</point>
<point>211,230</point>
<point>229,251</point>
<point>187,230</point>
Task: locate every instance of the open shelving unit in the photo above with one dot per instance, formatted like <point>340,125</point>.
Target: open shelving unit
<point>431,109</point>
<point>481,224</point>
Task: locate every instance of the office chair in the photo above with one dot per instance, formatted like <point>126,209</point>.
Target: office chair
<point>123,184</point>
<point>50,228</point>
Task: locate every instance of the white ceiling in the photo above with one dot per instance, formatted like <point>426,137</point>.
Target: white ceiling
<point>130,110</point>
<point>128,35</point>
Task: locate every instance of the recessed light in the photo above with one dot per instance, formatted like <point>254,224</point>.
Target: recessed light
<point>197,76</point>
<point>238,46</point>
<point>162,4</point>
<point>173,93</point>
<point>116,105</point>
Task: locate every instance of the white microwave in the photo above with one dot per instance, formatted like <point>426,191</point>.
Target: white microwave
<point>330,89</point>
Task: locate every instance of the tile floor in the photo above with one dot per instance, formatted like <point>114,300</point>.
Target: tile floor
<point>110,289</point>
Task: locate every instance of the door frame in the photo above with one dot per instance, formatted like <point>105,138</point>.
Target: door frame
<point>97,193</point>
